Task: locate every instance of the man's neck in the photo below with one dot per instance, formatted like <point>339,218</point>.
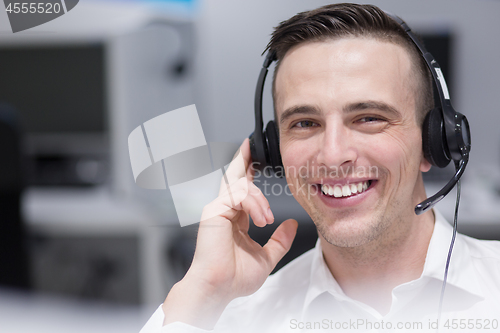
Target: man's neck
<point>370,272</point>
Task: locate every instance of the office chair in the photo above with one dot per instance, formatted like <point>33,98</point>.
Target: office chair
<point>14,264</point>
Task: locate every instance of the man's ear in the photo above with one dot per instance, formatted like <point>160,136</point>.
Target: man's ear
<point>424,164</point>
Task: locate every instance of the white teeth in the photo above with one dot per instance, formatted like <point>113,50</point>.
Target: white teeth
<point>330,190</point>
<point>338,191</point>
<point>346,191</point>
<point>327,189</point>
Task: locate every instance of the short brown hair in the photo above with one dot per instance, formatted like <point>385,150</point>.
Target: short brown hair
<point>352,20</point>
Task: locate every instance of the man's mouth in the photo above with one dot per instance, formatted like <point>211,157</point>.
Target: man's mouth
<point>346,190</point>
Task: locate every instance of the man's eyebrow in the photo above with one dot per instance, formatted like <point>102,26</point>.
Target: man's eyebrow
<point>299,109</point>
<point>360,106</point>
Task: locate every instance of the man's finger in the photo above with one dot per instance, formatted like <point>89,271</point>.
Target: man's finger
<point>239,165</point>
<point>237,169</point>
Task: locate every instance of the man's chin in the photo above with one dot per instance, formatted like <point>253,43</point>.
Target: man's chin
<point>349,232</point>
<point>344,241</point>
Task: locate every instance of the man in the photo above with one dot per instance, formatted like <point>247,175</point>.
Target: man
<point>350,93</point>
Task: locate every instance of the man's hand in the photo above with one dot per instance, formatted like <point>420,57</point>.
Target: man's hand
<point>227,263</point>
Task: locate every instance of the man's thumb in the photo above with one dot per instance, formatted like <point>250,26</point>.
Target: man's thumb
<point>281,241</point>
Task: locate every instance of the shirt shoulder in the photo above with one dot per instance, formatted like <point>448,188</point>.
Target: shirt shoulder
<point>485,257</point>
<point>483,249</point>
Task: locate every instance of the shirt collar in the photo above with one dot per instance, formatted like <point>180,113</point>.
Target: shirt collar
<point>461,273</point>
<point>321,279</point>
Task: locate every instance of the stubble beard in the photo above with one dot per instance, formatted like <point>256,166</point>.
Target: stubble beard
<point>380,227</point>
<point>346,228</point>
<point>349,232</point>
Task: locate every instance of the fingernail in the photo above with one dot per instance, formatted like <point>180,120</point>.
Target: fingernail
<point>270,213</point>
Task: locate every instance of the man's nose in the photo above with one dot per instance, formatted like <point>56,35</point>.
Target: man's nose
<point>336,147</point>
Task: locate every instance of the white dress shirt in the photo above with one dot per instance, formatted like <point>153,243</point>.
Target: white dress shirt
<point>304,296</point>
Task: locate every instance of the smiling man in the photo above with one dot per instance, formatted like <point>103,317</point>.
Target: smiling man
<point>349,103</point>
<point>351,92</point>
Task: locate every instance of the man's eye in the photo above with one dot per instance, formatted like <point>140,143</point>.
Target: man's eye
<point>370,119</point>
<point>305,123</point>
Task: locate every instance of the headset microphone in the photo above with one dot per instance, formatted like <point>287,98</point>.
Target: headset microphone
<point>430,202</point>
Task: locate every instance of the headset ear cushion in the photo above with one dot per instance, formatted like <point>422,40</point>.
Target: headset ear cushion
<point>273,144</point>
<point>434,139</point>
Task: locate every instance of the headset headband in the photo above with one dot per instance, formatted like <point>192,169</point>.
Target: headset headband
<point>455,122</point>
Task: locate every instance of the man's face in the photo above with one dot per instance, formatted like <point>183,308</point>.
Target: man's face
<point>348,128</point>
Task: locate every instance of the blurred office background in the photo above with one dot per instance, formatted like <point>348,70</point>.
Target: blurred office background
<point>82,247</point>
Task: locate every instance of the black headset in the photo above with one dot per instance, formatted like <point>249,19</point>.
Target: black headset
<point>445,132</point>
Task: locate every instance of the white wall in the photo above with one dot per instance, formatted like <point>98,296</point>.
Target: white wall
<point>232,35</point>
